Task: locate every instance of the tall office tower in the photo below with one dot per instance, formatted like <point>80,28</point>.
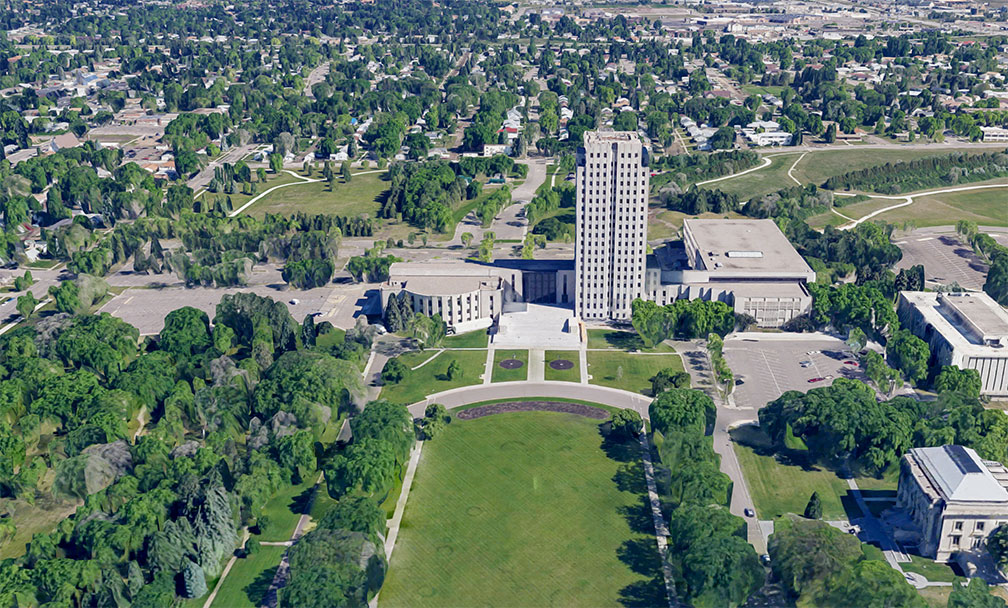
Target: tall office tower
<point>611,240</point>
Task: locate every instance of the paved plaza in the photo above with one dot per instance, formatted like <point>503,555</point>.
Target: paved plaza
<point>538,326</point>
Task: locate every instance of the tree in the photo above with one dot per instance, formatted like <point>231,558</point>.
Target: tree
<point>974,595</point>
<point>813,510</point>
<point>345,170</point>
<point>387,422</point>
<point>356,514</point>
<point>965,381</point>
<point>435,420</point>
<point>669,378</point>
<point>394,371</point>
<point>296,453</point>
<point>870,583</point>
<point>367,466</point>
<point>275,162</point>
<point>26,305</point>
<point>193,580</point>
<point>997,545</point>
<point>856,339</point>
<point>454,370</point>
<point>467,239</point>
<point>333,568</point>
<point>680,409</point>
<point>626,423</point>
<point>186,333</point>
<point>909,354</point>
<point>806,552</point>
<point>879,372</point>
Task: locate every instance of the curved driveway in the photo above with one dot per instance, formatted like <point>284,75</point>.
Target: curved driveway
<point>466,395</point>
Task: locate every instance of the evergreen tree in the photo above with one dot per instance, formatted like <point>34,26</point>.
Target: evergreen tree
<point>813,510</point>
<point>193,580</point>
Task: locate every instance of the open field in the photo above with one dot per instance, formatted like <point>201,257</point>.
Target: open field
<point>359,196</point>
<point>664,225</point>
<point>764,181</point>
<point>780,485</point>
<point>565,375</point>
<point>238,199</point>
<point>510,375</point>
<point>985,207</point>
<point>628,371</point>
<point>284,510</point>
<point>525,509</point>
<point>249,579</point>
<point>819,165</point>
<point>431,378</point>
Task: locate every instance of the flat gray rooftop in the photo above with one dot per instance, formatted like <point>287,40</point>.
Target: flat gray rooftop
<point>743,245</point>
<point>981,313</point>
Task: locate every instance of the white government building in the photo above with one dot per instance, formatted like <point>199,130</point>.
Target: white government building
<point>967,329</point>
<point>952,500</point>
<point>747,263</point>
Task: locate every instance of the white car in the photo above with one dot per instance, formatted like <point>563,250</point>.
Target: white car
<point>295,301</point>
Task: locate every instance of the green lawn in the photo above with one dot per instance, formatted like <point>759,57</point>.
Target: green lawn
<point>431,378</point>
<point>985,207</point>
<point>778,488</point>
<point>284,510</point>
<point>472,339</point>
<point>29,520</point>
<point>820,165</point>
<point>930,569</point>
<point>525,509</point>
<point>238,199</point>
<point>361,195</point>
<point>510,375</point>
<point>249,579</point>
<point>628,371</point>
<point>763,181</point>
<point>622,340</point>
<point>566,375</point>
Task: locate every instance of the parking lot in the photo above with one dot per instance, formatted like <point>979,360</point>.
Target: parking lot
<point>945,257</point>
<point>771,364</point>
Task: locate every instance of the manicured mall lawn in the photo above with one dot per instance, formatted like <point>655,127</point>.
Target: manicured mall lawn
<point>525,509</point>
<point>249,579</point>
<point>360,196</point>
<point>472,339</point>
<point>621,340</point>
<point>628,371</point>
<point>431,378</point>
<point>510,375</point>
<point>567,375</point>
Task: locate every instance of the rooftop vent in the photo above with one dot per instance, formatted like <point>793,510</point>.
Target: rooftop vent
<point>745,254</point>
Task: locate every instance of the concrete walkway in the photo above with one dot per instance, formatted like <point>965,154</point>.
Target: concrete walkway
<point>583,363</point>
<point>537,365</point>
<point>227,570</point>
<point>393,524</point>
<point>661,528</point>
<point>488,366</point>
<point>280,578</point>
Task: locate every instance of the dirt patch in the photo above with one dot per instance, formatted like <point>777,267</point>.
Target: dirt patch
<point>533,406</point>
<point>561,364</point>
<point>511,364</point>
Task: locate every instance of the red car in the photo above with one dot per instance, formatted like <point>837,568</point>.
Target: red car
<point>812,380</point>
<point>849,362</point>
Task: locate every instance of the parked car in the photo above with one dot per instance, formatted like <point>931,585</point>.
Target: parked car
<point>851,362</point>
<point>765,559</point>
<point>749,513</point>
<point>814,380</point>
<point>805,363</point>
<point>739,381</point>
<point>295,301</point>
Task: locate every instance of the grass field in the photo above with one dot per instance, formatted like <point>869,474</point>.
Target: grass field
<point>628,371</point>
<point>779,488</point>
<point>431,377</point>
<point>565,375</point>
<point>820,165</point>
<point>472,339</point>
<point>666,224</point>
<point>32,519</point>
<point>764,181</point>
<point>622,340</point>
<point>525,509</point>
<point>284,510</point>
<point>930,569</point>
<point>238,199</point>
<point>249,579</point>
<point>985,207</point>
<point>510,375</point>
<point>359,196</point>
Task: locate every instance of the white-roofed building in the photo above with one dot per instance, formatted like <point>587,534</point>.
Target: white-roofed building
<point>953,498</point>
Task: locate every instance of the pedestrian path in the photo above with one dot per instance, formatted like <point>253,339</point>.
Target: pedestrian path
<point>661,528</point>
<point>488,368</point>
<point>583,362</point>
<point>537,365</point>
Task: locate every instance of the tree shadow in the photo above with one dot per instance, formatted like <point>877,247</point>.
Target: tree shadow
<point>624,340</point>
<point>629,477</point>
<point>641,555</point>
<point>617,447</point>
<point>301,503</point>
<point>256,590</point>
<point>644,594</point>
<point>638,516</point>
